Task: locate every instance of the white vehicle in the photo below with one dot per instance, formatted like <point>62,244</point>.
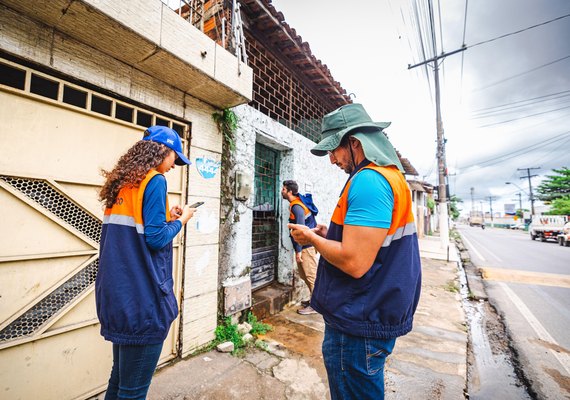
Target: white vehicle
<point>564,237</point>
<point>547,226</point>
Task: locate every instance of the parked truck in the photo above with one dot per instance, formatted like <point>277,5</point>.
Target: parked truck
<point>476,218</point>
<point>564,237</point>
<point>547,226</point>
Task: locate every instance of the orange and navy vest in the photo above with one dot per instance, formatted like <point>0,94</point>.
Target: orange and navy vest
<point>310,220</point>
<point>134,288</point>
<point>380,304</point>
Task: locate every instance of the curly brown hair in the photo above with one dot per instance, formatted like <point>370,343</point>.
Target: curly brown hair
<point>131,169</point>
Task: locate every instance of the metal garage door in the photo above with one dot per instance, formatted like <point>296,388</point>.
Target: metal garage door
<point>54,139</point>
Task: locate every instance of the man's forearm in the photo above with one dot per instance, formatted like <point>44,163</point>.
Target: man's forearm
<point>336,255</point>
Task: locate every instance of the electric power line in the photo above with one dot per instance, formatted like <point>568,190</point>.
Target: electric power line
<point>519,31</point>
<point>519,118</point>
<point>520,151</point>
<point>519,105</point>
<point>520,74</point>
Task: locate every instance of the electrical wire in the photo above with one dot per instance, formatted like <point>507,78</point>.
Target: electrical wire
<point>519,31</point>
<point>519,118</point>
<point>560,100</point>
<point>463,53</point>
<point>563,93</point>
<point>522,73</point>
<point>520,151</point>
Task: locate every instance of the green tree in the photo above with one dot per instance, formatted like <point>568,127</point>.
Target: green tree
<point>560,206</point>
<point>555,186</point>
<point>454,210</point>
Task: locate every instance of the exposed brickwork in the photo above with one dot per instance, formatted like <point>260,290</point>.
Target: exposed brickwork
<point>279,94</point>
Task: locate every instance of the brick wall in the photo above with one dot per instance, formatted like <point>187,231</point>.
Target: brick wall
<point>279,94</point>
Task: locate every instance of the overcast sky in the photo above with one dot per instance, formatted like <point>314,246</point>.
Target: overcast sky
<point>368,45</point>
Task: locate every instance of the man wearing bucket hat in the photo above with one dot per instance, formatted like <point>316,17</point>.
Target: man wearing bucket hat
<point>369,274</point>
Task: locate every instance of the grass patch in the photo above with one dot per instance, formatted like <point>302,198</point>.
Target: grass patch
<point>451,287</point>
<point>257,327</point>
<point>228,332</point>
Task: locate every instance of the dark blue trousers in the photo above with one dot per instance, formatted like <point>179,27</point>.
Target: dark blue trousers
<point>133,367</point>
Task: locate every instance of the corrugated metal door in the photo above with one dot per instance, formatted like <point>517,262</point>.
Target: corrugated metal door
<point>51,154</point>
<point>265,233</point>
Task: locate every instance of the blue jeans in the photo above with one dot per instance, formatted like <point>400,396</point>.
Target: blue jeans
<point>133,367</point>
<point>355,365</point>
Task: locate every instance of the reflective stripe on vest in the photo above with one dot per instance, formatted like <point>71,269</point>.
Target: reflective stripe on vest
<point>402,215</point>
<point>127,209</point>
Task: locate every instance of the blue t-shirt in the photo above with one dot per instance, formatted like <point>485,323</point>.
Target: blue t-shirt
<point>370,201</point>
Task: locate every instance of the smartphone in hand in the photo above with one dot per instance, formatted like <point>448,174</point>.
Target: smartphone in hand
<point>196,205</point>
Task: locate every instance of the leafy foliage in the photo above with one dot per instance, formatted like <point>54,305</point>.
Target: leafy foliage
<point>454,210</point>
<point>560,206</point>
<point>257,327</point>
<point>227,122</point>
<point>228,332</point>
<point>555,186</point>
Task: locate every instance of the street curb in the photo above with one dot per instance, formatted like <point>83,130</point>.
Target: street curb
<point>472,273</point>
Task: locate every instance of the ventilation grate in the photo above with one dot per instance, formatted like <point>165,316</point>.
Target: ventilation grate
<point>34,318</point>
<point>45,195</point>
<point>49,198</point>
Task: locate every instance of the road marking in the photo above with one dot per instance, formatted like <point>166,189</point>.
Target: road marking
<point>527,277</point>
<point>473,248</point>
<point>541,332</point>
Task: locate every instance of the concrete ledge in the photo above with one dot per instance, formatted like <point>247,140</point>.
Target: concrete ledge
<point>270,300</point>
<point>150,37</point>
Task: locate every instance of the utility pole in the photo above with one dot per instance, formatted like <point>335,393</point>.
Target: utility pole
<point>491,198</point>
<point>441,164</point>
<point>472,201</point>
<point>528,175</point>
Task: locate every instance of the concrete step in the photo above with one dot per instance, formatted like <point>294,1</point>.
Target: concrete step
<point>270,300</point>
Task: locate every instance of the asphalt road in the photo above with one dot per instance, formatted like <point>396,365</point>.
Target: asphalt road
<point>528,282</point>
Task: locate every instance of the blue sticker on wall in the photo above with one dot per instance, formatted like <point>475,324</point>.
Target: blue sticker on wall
<point>207,167</point>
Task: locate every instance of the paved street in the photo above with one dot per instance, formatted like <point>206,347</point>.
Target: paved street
<point>529,284</point>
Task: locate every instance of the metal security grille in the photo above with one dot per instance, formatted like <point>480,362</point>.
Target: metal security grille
<point>265,223</point>
<point>46,196</point>
<point>52,200</point>
<point>34,318</point>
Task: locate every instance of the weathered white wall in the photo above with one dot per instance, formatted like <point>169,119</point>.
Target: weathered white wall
<point>45,46</point>
<point>313,174</point>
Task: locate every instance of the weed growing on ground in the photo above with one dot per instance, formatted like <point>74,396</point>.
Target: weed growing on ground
<point>451,287</point>
<point>257,327</point>
<point>228,332</point>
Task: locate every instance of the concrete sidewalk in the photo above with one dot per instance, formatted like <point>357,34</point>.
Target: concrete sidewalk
<point>428,363</point>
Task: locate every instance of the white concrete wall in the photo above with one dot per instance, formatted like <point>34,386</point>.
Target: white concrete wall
<point>43,45</point>
<point>313,174</point>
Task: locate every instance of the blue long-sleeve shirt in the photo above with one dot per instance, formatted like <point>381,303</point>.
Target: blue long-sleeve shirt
<point>299,213</point>
<point>157,232</point>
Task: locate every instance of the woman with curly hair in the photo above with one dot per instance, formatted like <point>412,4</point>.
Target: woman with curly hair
<point>134,288</point>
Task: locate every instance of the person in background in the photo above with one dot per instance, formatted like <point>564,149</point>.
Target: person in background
<point>134,287</point>
<point>306,256</point>
<point>369,274</point>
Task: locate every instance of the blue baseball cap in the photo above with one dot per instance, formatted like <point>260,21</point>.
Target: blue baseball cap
<point>169,138</point>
